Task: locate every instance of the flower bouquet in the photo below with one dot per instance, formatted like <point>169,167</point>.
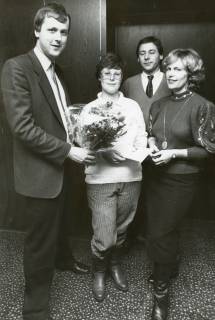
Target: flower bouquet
<point>73,113</point>
<point>96,127</point>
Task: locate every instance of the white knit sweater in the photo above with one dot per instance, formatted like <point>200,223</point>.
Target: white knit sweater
<point>135,139</point>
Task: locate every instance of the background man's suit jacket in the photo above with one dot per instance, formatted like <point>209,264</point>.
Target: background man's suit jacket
<point>39,143</point>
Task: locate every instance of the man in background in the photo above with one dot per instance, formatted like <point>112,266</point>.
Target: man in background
<point>35,101</point>
<point>145,88</point>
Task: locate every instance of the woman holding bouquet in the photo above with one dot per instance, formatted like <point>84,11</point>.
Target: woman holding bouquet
<point>113,183</point>
<point>180,136</point>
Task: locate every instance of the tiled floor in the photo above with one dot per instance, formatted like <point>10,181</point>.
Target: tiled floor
<point>192,293</point>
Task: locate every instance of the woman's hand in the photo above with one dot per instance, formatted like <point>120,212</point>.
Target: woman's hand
<point>113,156</point>
<point>164,156</point>
<point>152,146</point>
<point>153,149</point>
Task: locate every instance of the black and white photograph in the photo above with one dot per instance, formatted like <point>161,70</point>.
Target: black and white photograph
<point>107,160</point>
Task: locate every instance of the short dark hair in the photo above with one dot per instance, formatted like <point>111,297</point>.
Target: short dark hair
<point>52,9</point>
<point>191,61</point>
<point>111,61</point>
<point>150,39</point>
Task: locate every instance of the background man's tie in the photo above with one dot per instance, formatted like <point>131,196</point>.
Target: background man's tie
<point>149,88</point>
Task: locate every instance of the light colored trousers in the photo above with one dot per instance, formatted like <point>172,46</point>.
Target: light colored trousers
<point>113,208</point>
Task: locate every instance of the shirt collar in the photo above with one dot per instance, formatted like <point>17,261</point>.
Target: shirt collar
<point>44,60</point>
<point>156,74</point>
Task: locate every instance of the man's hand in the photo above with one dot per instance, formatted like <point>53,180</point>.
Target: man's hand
<point>81,155</point>
<point>113,156</point>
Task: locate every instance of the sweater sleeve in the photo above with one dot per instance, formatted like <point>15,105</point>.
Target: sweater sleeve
<point>140,141</point>
<point>206,119</point>
<point>198,151</point>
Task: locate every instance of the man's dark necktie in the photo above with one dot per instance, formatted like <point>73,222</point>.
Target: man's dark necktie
<point>149,88</point>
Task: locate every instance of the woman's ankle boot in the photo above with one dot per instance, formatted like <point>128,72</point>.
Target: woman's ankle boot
<point>99,278</point>
<point>116,271</point>
<point>161,301</point>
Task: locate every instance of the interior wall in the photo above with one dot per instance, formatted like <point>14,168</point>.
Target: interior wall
<point>86,43</point>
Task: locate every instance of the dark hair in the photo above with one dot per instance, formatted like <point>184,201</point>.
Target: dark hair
<point>150,39</point>
<point>191,61</point>
<point>110,61</point>
<point>52,9</point>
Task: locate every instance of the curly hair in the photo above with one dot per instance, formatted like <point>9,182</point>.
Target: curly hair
<point>191,61</point>
<point>110,61</point>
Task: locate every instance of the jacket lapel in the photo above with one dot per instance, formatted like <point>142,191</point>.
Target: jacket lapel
<point>45,86</point>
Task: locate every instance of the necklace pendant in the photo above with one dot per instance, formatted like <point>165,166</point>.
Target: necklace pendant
<point>164,145</point>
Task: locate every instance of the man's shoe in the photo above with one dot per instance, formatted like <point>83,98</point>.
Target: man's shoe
<point>74,266</point>
<point>118,277</point>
